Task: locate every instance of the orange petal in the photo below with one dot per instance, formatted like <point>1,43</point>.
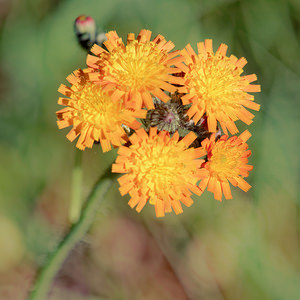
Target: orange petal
<point>226,189</point>
<point>159,208</point>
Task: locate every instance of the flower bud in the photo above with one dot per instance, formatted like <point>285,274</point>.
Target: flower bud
<point>85,29</point>
<point>168,116</point>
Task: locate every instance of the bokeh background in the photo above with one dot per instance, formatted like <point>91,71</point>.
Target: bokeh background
<point>246,248</point>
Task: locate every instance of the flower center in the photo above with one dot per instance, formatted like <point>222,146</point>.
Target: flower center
<point>139,67</point>
<point>217,82</point>
<point>95,107</point>
<point>161,168</point>
<point>224,161</point>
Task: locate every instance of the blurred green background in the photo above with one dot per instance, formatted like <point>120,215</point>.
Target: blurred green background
<point>246,248</point>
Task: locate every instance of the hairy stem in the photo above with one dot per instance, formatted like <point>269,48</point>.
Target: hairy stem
<point>55,260</point>
<point>76,200</point>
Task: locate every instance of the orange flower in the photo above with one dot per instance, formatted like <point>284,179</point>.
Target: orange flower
<point>160,169</point>
<point>140,70</point>
<point>214,86</point>
<point>227,160</point>
<point>94,113</point>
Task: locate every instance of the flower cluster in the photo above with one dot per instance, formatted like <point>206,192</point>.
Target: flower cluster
<point>169,112</point>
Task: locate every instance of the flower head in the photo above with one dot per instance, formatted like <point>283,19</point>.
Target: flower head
<point>159,168</point>
<point>227,160</point>
<point>95,113</point>
<point>138,70</point>
<point>214,86</point>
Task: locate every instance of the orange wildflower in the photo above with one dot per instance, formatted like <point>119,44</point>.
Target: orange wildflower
<point>95,113</point>
<point>227,160</point>
<point>214,86</point>
<point>139,70</point>
<point>159,168</point>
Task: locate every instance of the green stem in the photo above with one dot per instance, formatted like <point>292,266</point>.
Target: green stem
<point>76,233</point>
<point>76,200</point>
